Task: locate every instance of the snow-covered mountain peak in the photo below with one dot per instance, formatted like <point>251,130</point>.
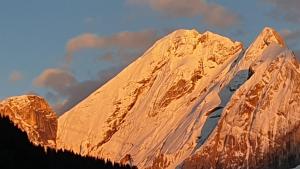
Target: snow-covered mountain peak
<point>259,127</point>
<point>263,40</point>
<point>269,54</point>
<point>271,35</point>
<point>33,115</point>
<point>162,89</point>
<point>217,37</point>
<point>183,32</point>
<point>192,100</point>
<point>173,102</point>
<point>190,47</point>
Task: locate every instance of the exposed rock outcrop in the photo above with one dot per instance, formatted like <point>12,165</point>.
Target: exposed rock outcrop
<point>33,115</point>
<point>260,126</point>
<point>195,100</point>
<point>155,108</point>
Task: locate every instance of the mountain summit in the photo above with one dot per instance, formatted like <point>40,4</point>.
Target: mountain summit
<point>260,126</point>
<point>193,100</point>
<point>154,109</point>
<point>263,40</point>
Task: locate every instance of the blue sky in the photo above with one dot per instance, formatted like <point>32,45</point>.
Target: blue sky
<point>37,36</point>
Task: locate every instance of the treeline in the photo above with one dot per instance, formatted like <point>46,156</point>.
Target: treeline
<point>16,151</point>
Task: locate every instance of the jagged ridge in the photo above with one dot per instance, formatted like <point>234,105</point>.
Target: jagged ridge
<point>260,126</point>
<point>173,103</point>
<point>162,89</point>
<point>16,151</point>
<point>33,115</point>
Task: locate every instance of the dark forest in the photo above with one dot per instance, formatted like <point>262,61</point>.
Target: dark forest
<point>16,151</point>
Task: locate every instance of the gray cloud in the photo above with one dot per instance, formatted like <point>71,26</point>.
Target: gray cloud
<point>55,79</point>
<point>287,10</point>
<point>80,90</point>
<point>211,13</point>
<point>74,94</point>
<point>64,89</point>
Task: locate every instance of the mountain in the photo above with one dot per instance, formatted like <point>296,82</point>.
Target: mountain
<point>260,126</point>
<point>239,73</point>
<point>153,111</point>
<point>33,115</point>
<point>28,127</point>
<point>193,100</point>
<point>16,151</point>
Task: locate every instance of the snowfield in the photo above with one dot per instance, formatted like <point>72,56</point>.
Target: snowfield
<point>194,97</point>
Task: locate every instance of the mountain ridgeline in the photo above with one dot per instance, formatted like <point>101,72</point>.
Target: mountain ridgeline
<point>28,128</point>
<point>17,151</point>
<point>193,100</point>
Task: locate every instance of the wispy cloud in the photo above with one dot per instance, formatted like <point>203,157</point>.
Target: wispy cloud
<point>119,41</point>
<point>15,76</point>
<point>212,13</point>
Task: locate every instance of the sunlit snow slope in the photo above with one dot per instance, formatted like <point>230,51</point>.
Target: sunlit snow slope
<point>154,110</point>
<point>260,126</point>
<point>188,98</point>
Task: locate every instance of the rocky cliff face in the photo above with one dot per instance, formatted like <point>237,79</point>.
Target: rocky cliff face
<point>155,108</point>
<point>33,115</point>
<point>195,100</point>
<point>260,126</point>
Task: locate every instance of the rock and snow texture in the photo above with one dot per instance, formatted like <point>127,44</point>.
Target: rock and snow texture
<point>260,126</point>
<point>154,110</point>
<point>238,74</point>
<point>33,115</point>
<point>263,40</point>
<point>194,101</point>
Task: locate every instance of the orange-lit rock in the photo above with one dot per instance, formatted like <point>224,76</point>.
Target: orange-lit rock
<point>33,115</point>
